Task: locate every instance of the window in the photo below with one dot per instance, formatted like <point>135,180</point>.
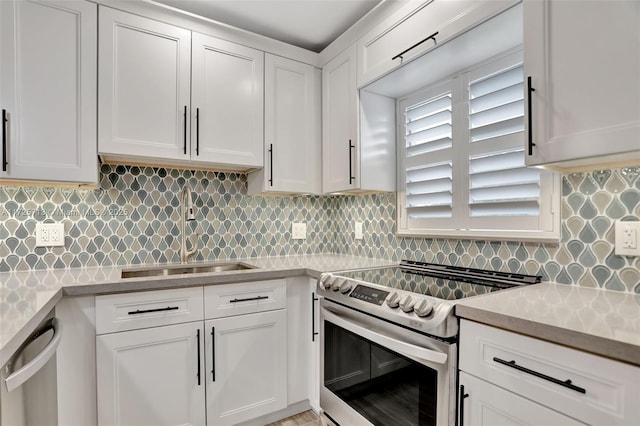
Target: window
<point>462,171</point>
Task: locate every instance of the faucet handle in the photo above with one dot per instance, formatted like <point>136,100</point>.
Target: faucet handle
<point>193,239</point>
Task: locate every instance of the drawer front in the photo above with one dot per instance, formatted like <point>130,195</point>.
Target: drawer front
<point>449,18</point>
<point>244,298</point>
<point>130,311</point>
<point>485,404</point>
<point>590,388</point>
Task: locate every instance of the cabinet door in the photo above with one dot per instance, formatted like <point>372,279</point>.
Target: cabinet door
<point>143,88</point>
<point>339,123</point>
<point>302,341</point>
<point>153,376</point>
<point>247,377</point>
<point>292,134</point>
<point>227,103</point>
<point>405,34</point>
<point>489,405</point>
<point>48,90</point>
<point>586,102</point>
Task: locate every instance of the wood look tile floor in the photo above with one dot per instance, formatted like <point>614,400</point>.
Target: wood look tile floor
<point>308,418</point>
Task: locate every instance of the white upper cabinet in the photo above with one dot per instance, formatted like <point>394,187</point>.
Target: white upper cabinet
<point>170,96</point>
<point>292,152</point>
<point>144,87</point>
<point>583,59</point>
<point>407,33</point>
<point>358,139</point>
<point>339,121</point>
<point>48,90</point>
<point>227,102</point>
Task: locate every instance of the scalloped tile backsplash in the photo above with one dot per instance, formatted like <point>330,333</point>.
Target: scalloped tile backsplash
<point>134,218</point>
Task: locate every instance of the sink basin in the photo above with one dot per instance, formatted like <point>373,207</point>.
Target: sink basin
<point>184,270</point>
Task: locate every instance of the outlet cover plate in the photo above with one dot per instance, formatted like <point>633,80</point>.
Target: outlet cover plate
<point>627,238</point>
<point>49,234</point>
<point>298,231</point>
<point>358,230</point>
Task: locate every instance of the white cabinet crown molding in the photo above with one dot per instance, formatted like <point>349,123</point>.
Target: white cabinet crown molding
<point>213,28</point>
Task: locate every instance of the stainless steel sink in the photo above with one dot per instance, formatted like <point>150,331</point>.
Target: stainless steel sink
<point>184,270</point>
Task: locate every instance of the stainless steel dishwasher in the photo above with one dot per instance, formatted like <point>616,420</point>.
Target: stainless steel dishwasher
<point>28,392</point>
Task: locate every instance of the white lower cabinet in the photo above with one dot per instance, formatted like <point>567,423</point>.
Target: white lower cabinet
<point>227,354</point>
<point>485,404</point>
<point>515,379</point>
<point>247,374</point>
<point>152,376</point>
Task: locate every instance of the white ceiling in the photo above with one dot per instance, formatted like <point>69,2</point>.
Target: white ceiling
<point>310,24</point>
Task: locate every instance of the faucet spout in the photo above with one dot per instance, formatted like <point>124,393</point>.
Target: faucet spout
<point>187,213</point>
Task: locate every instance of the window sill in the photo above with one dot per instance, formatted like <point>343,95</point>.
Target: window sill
<point>484,235</point>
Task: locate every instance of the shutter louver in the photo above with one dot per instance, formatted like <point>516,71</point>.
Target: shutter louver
<point>429,187</point>
<point>499,182</point>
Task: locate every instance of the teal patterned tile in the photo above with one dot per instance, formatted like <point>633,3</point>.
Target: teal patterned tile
<point>233,224</point>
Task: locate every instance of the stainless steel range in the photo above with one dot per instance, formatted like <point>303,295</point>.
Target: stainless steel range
<point>389,341</point>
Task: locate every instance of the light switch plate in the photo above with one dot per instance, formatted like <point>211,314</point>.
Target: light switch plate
<point>298,231</point>
<point>627,238</point>
<point>358,230</point>
<point>49,234</point>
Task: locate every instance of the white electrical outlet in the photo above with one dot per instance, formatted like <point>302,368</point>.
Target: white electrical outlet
<point>49,234</point>
<point>298,231</point>
<point>358,230</point>
<point>627,238</point>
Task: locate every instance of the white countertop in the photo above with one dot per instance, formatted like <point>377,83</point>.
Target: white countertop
<point>594,320</point>
<point>26,297</point>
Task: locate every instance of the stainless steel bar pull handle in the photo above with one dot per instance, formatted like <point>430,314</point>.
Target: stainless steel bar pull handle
<point>530,91</point>
<point>565,383</point>
<point>4,140</point>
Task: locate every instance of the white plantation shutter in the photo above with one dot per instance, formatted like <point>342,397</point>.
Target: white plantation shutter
<point>462,160</point>
<point>499,182</point>
<point>428,171</point>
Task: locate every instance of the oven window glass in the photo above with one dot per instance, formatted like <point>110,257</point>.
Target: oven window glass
<point>385,388</point>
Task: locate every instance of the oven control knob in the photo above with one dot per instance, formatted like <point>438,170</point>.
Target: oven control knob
<point>335,286</point>
<point>406,304</point>
<point>393,301</point>
<point>423,308</point>
<point>345,287</point>
<point>325,282</point>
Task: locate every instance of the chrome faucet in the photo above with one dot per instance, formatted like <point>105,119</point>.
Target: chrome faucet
<point>187,213</point>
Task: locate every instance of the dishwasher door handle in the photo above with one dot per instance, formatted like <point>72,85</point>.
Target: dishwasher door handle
<point>16,378</point>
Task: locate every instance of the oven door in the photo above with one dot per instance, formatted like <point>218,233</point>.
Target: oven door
<point>375,373</point>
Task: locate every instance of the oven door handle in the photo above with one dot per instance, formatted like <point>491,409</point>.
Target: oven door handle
<point>395,345</point>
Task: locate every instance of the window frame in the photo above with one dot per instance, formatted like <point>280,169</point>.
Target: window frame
<point>462,225</point>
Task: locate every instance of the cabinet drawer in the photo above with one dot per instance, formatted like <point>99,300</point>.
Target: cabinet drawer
<point>590,388</point>
<point>130,311</point>
<point>244,298</point>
